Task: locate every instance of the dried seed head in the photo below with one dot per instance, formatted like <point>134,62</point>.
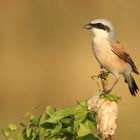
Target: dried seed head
<point>106,115</point>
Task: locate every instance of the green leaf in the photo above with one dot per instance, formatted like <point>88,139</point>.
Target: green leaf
<point>12,127</point>
<point>91,117</point>
<point>67,130</point>
<point>66,120</point>
<point>42,119</point>
<point>80,116</point>
<point>35,136</point>
<point>19,136</point>
<point>60,114</point>
<point>85,128</point>
<point>90,125</point>
<point>33,119</point>
<point>89,137</point>
<point>49,110</point>
<point>56,130</point>
<point>28,132</point>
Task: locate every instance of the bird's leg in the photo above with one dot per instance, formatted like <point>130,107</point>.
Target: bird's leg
<point>114,84</point>
<point>103,80</point>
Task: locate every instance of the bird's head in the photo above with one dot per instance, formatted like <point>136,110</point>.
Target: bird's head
<point>101,28</point>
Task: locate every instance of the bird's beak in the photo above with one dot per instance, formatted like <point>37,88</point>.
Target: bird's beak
<point>88,26</point>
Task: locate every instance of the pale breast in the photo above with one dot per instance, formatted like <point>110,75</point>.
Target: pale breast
<point>105,56</point>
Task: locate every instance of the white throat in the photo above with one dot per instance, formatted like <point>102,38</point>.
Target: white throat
<point>104,35</point>
<point>100,34</point>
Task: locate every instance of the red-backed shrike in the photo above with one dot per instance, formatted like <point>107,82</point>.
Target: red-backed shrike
<point>110,54</point>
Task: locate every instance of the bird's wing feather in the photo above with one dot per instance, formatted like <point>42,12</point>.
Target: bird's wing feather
<point>119,51</point>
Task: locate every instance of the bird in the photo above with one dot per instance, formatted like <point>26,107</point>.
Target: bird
<point>111,55</point>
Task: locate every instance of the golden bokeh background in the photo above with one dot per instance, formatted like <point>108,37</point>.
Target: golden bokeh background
<point>46,56</point>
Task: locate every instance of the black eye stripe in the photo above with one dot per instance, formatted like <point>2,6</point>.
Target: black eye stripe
<point>100,26</point>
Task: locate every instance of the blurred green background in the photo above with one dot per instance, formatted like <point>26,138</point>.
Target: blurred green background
<point>46,56</point>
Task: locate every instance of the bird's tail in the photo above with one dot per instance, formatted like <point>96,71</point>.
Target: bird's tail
<point>133,88</point>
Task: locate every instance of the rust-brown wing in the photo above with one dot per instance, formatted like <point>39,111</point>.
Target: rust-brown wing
<point>119,51</point>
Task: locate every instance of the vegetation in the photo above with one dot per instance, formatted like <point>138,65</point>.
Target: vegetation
<point>71,123</point>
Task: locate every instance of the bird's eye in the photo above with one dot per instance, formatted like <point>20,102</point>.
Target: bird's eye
<point>100,25</point>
